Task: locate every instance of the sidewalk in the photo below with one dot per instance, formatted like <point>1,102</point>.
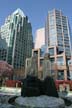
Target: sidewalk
<point>10,91</point>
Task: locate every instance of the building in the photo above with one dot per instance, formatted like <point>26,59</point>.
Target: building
<point>57,32</point>
<point>3,51</point>
<point>60,61</point>
<point>70,68</point>
<point>17,33</point>
<point>57,39</point>
<point>39,38</point>
<point>37,53</point>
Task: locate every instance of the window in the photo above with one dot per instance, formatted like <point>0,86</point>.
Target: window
<point>51,19</point>
<point>52,60</point>
<point>41,62</point>
<point>60,61</point>
<point>35,54</point>
<point>52,31</point>
<point>60,75</point>
<point>51,51</point>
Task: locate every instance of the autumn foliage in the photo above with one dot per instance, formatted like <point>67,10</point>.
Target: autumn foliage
<point>5,69</point>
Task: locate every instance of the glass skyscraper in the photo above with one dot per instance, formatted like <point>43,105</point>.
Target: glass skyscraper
<point>17,33</point>
<point>57,32</point>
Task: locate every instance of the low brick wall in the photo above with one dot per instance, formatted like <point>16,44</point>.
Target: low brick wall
<point>13,83</point>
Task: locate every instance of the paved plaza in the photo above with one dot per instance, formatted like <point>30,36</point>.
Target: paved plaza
<point>10,91</point>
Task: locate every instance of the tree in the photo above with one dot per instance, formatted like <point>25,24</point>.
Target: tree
<point>5,69</point>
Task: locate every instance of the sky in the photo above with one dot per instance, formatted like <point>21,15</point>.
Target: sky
<point>36,10</point>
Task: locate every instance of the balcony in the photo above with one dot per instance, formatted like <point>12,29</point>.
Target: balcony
<point>59,67</point>
<point>62,67</point>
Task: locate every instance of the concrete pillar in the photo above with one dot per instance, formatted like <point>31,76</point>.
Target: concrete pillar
<point>65,74</point>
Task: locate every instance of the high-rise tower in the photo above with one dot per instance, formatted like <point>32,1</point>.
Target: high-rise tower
<point>17,32</point>
<point>57,40</point>
<point>57,32</point>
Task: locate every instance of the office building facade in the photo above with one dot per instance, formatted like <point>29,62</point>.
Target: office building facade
<point>57,32</point>
<point>57,39</point>
<point>17,33</point>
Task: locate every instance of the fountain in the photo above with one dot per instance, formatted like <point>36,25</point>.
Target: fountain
<point>39,93</point>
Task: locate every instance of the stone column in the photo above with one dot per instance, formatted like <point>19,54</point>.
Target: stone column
<point>65,74</point>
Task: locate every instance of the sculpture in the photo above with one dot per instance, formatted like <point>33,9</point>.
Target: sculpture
<point>46,66</point>
<point>32,86</point>
<point>49,84</point>
<point>32,67</point>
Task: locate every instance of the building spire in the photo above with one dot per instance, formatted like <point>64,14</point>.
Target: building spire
<point>20,12</point>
